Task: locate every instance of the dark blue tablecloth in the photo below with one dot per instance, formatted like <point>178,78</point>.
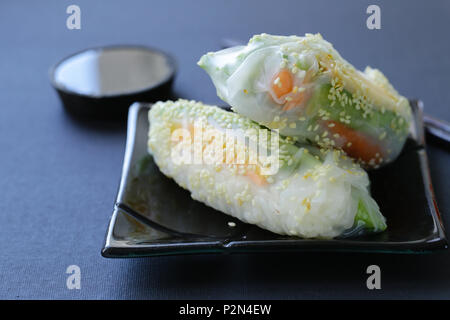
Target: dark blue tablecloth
<point>59,177</point>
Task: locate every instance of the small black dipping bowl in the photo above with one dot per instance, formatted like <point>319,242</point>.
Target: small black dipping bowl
<point>103,82</point>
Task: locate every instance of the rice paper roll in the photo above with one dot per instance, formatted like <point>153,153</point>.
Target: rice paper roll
<point>304,88</point>
<point>260,177</point>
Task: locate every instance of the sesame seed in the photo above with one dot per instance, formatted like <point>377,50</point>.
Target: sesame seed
<point>277,82</point>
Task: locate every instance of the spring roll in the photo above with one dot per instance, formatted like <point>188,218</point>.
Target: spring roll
<point>304,88</point>
<point>234,165</point>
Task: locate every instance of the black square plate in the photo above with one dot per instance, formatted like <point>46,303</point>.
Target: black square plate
<point>154,216</point>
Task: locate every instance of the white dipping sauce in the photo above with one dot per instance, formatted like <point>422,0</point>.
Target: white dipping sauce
<point>112,71</point>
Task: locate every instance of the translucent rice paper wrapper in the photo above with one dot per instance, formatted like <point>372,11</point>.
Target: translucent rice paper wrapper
<point>311,194</point>
<point>305,89</point>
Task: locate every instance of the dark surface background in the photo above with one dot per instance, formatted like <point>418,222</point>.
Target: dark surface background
<point>59,177</point>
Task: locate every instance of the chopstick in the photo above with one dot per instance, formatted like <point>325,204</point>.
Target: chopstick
<point>437,128</point>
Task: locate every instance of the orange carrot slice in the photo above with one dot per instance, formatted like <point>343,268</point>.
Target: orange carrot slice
<point>357,145</point>
<point>256,178</point>
<point>282,83</point>
<point>297,99</point>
